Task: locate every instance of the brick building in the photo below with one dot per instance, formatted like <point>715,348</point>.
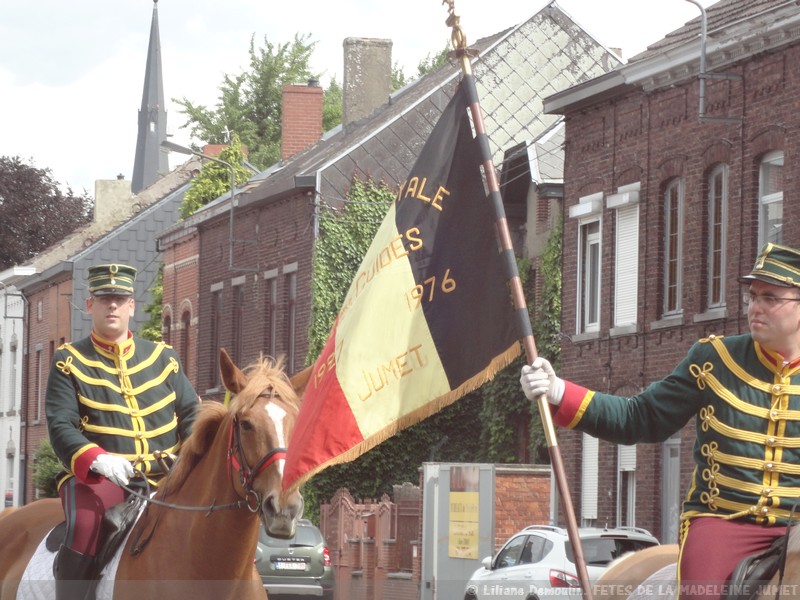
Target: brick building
<point>673,179</point>
<point>254,260</point>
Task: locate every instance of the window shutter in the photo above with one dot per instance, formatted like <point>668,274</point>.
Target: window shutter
<point>626,272</point>
<point>589,484</point>
<point>626,458</point>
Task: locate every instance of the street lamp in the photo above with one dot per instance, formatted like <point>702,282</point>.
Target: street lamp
<point>173,147</point>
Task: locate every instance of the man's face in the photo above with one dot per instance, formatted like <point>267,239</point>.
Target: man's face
<point>111,315</point>
<point>774,317</point>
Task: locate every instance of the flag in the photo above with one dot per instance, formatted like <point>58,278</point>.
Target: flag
<point>427,318</point>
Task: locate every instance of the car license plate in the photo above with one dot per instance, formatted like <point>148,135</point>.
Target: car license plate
<point>281,565</point>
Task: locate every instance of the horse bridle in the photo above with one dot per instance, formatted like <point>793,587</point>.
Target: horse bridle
<point>238,461</point>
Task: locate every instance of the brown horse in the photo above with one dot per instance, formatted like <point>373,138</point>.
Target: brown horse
<point>651,573</point>
<point>623,577</point>
<point>198,535</point>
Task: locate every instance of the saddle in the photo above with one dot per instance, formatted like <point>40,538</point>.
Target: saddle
<point>117,521</point>
<point>755,571</point>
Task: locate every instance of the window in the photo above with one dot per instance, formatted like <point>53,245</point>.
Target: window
<point>291,318</point>
<point>673,240</point>
<point>589,480</point>
<point>37,385</point>
<point>216,335</point>
<point>717,234</point>
<point>589,281</point>
<point>166,330</point>
<point>271,318</point>
<point>13,395</point>
<point>186,323</point>
<point>626,254</point>
<point>238,322</point>
<point>770,199</point>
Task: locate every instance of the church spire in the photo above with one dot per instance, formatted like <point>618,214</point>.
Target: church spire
<point>150,162</point>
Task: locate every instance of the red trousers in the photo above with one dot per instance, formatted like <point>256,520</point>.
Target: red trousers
<point>84,506</point>
<point>711,548</point>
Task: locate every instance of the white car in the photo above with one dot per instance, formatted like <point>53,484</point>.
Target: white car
<point>538,561</point>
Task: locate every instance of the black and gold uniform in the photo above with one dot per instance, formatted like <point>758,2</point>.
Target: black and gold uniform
<point>132,399</point>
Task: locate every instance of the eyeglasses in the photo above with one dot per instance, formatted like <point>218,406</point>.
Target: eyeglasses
<point>766,300</point>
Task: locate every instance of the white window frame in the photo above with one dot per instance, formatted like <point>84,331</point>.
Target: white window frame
<point>769,201</point>
<point>717,241</point>
<point>588,212</point>
<point>671,236</point>
<point>625,202</point>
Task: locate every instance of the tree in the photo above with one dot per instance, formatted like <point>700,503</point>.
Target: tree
<point>214,179</point>
<point>250,102</point>
<point>46,468</point>
<point>34,213</point>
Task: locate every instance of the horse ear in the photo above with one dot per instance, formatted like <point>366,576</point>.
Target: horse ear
<point>232,376</point>
<point>300,380</point>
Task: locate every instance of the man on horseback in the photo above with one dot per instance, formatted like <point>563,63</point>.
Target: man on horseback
<point>112,401</point>
<point>744,392</point>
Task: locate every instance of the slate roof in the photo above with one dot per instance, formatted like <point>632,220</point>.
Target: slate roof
<point>514,71</point>
<point>736,30</point>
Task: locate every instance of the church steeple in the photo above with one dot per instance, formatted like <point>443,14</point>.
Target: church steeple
<point>150,162</point>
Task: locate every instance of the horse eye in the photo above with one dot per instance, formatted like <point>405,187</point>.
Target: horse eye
<point>246,425</point>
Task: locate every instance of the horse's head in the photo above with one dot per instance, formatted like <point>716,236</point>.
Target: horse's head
<point>264,406</point>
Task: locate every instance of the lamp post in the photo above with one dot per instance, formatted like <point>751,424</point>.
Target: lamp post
<point>173,147</point>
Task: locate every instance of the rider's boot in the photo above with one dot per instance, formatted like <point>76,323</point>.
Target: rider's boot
<point>74,574</point>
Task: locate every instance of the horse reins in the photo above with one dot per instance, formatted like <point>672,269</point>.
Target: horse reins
<point>237,461</point>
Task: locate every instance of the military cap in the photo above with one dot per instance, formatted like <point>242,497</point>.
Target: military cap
<point>777,265</point>
<point>111,279</point>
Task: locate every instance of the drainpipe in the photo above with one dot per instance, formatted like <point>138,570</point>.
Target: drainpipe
<point>701,111</point>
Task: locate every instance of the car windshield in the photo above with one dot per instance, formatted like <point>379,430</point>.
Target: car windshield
<point>601,551</point>
<point>304,536</point>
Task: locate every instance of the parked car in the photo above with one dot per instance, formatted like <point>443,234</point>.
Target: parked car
<point>298,567</point>
<point>538,561</point>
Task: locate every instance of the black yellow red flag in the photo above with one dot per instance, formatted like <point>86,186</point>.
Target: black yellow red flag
<point>427,318</point>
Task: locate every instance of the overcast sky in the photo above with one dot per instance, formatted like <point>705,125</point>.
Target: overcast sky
<point>71,73</point>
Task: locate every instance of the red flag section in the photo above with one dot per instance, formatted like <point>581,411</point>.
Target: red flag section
<point>427,318</point>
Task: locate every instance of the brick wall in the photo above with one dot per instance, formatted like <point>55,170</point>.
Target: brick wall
<point>651,138</point>
<point>279,237</point>
<point>48,325</point>
<point>181,298</point>
<point>301,119</point>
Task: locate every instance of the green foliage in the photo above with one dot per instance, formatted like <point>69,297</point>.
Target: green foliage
<point>332,106</point>
<point>432,63</point>
<point>429,64</point>
<point>151,330</point>
<point>250,102</point>
<point>34,212</point>
<point>214,179</point>
<point>344,238</point>
<point>46,468</point>
<point>546,322</point>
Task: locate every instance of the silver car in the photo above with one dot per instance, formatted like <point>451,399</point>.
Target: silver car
<point>538,561</point>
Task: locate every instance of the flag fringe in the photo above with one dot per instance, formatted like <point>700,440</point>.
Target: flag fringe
<point>497,364</point>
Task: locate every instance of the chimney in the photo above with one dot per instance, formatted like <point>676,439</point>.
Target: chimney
<point>301,119</point>
<point>112,201</point>
<point>367,77</point>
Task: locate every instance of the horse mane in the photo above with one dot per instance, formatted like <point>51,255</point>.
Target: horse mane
<point>209,418</point>
<point>262,374</point>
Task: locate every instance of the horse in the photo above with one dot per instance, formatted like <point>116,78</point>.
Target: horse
<point>652,572</point>
<point>197,535</point>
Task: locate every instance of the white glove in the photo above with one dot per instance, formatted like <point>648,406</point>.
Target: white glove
<point>539,378</point>
<point>113,467</point>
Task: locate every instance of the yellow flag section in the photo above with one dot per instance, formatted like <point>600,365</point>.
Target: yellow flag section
<point>428,316</point>
<point>387,362</point>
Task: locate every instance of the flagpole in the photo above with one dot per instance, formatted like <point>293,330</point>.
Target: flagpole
<point>461,51</point>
